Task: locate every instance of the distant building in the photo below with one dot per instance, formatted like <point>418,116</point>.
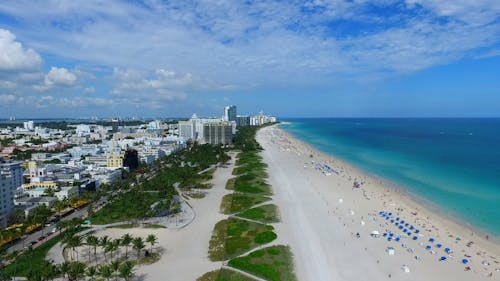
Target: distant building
<point>218,133</point>
<point>230,113</point>
<point>29,125</point>
<point>6,199</point>
<point>114,161</point>
<point>243,121</point>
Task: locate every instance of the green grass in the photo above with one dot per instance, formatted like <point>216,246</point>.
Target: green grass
<point>243,236</point>
<point>128,206</point>
<point>224,275</point>
<point>30,259</point>
<point>272,263</point>
<point>126,226</point>
<point>237,202</point>
<point>230,184</point>
<point>216,248</point>
<point>233,237</point>
<point>265,213</point>
<point>253,185</point>
<point>154,226</point>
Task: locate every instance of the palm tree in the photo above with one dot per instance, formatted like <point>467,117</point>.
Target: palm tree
<point>127,270</point>
<point>116,247</point>
<point>115,266</point>
<point>76,270</point>
<point>151,239</point>
<point>108,249</point>
<point>126,241</point>
<point>103,242</point>
<point>92,241</point>
<point>138,245</point>
<point>74,242</point>
<point>105,272</point>
<point>64,268</point>
<point>91,272</point>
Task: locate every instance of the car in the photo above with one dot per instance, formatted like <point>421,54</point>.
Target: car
<point>33,243</point>
<point>41,238</point>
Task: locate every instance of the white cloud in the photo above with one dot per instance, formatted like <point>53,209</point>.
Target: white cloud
<point>60,76</point>
<point>14,57</point>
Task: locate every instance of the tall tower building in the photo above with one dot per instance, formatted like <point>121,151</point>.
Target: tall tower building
<point>230,113</point>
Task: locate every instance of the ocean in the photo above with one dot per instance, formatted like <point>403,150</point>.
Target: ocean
<point>452,164</point>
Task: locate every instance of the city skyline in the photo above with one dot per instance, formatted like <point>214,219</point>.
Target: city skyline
<point>413,58</point>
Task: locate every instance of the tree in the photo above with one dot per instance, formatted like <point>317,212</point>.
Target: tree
<point>127,270</point>
<point>105,272</point>
<point>115,266</point>
<point>93,242</point>
<point>74,241</point>
<point>103,242</point>
<point>151,239</point>
<point>138,245</point>
<point>64,268</point>
<point>58,207</point>
<point>91,272</point>
<point>126,241</point>
<point>76,270</point>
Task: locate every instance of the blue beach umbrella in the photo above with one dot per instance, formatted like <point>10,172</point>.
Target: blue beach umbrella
<point>443,258</point>
<point>390,214</point>
<point>415,237</point>
<point>407,224</point>
<point>400,227</point>
<point>439,245</point>
<point>386,218</point>
<point>397,218</point>
<point>405,230</point>
<point>397,239</point>
<point>385,234</point>
<point>411,227</point>
<point>431,240</point>
<point>389,238</point>
<point>428,247</point>
<point>447,250</point>
<point>402,221</point>
<point>417,230</point>
<point>409,233</point>
<point>391,234</point>
<point>465,261</point>
<point>392,220</point>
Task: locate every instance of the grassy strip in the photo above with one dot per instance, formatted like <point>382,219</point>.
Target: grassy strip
<point>230,184</point>
<point>217,244</point>
<point>272,263</point>
<point>249,184</point>
<point>237,202</point>
<point>265,213</point>
<point>224,275</point>
<point>30,259</point>
<point>243,236</point>
<point>232,237</point>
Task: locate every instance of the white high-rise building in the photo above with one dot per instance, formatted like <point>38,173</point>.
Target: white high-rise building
<point>29,125</point>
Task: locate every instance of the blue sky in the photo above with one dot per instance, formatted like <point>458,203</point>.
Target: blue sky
<point>380,58</point>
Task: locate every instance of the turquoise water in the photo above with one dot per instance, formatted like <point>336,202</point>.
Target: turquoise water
<point>452,163</point>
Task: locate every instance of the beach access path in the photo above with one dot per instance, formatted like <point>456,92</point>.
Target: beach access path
<point>322,215</point>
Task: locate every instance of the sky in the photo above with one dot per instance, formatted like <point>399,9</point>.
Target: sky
<point>317,58</point>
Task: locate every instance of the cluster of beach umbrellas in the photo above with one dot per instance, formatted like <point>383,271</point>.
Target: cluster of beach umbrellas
<point>411,231</point>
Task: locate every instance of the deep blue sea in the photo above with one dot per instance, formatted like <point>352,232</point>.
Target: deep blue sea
<point>454,164</point>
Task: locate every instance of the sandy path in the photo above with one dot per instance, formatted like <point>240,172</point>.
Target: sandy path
<point>321,215</point>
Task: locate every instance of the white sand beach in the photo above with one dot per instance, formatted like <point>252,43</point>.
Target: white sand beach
<point>323,213</point>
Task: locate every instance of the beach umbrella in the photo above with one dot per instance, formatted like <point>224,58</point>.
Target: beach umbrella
<point>443,258</point>
<point>400,227</point>
<point>391,234</point>
<point>415,237</point>
<point>385,234</point>
<point>447,250</point>
<point>407,224</point>
<point>428,247</point>
<point>411,227</point>
<point>381,212</point>
<point>431,240</point>
<point>397,218</point>
<point>409,233</point>
<point>392,220</point>
<point>402,221</point>
<point>405,230</point>
<point>439,245</point>
<point>397,239</point>
<point>417,231</point>
<point>390,214</point>
<point>386,218</point>
<point>465,261</point>
<point>396,223</point>
<point>389,239</point>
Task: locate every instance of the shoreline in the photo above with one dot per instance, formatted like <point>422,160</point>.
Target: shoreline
<point>332,205</point>
<point>412,198</point>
